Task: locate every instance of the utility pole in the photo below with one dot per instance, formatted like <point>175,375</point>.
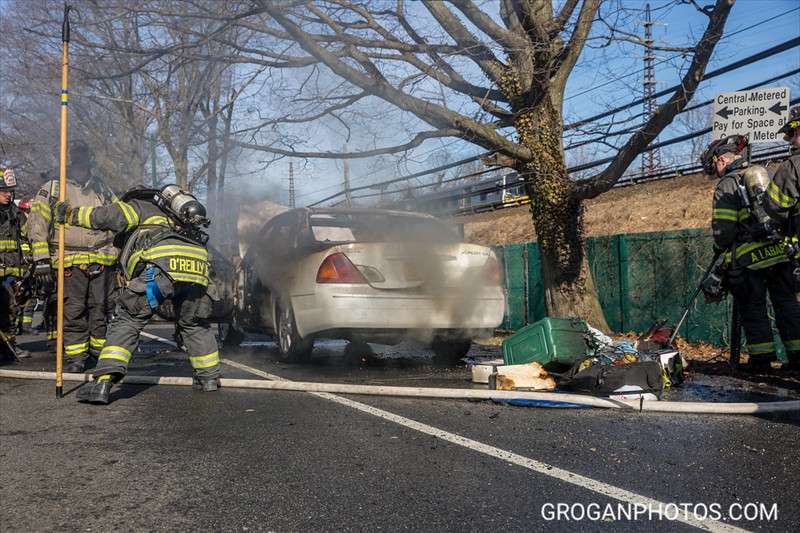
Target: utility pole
<point>291,185</point>
<point>651,159</point>
<point>346,176</point>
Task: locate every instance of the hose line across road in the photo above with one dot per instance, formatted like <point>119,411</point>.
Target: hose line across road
<point>273,382</point>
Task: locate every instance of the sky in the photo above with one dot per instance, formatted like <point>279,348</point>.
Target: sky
<point>600,83</point>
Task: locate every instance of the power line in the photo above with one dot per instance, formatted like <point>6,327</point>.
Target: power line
<point>690,108</point>
<point>405,178</point>
<point>733,66</point>
<point>725,38</point>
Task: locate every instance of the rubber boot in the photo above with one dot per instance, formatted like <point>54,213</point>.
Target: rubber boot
<point>21,353</point>
<point>75,366</point>
<point>205,384</point>
<point>758,365</point>
<point>98,391</point>
<point>794,363</point>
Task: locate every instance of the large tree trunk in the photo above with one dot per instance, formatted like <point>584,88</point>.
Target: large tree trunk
<point>558,219</point>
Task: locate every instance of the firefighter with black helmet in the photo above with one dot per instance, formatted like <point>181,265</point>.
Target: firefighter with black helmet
<point>783,195</point>
<point>89,280</point>
<point>11,260</point>
<point>164,257</point>
<point>755,258</point>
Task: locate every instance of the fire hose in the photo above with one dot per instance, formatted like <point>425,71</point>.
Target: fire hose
<point>429,392</point>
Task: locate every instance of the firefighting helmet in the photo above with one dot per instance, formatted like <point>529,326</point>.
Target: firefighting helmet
<point>25,203</point>
<point>79,155</point>
<point>183,205</point>
<point>791,125</point>
<point>8,181</point>
<point>731,144</point>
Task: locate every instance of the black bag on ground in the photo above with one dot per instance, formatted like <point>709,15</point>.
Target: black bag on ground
<point>605,379</point>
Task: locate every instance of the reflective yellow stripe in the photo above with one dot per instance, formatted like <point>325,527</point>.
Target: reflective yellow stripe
<point>792,345</point>
<point>780,198</point>
<point>41,248</point>
<point>8,244</point>
<point>205,361</point>
<point>761,348</point>
<point>172,250</point>
<point>725,214</point>
<point>76,349</point>
<point>117,353</point>
<point>84,216</point>
<point>161,220</point>
<point>107,259</point>
<point>130,214</point>
<point>96,343</point>
<point>189,278</point>
<point>43,209</point>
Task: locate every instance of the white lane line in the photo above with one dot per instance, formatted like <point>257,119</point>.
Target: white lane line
<point>157,338</point>
<point>519,460</point>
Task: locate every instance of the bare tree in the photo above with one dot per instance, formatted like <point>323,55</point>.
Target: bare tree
<point>492,74</point>
<point>493,78</point>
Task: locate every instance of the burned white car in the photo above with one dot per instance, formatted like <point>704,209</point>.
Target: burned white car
<point>366,275</point>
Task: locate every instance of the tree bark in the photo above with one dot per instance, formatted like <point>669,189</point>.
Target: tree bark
<point>558,220</point>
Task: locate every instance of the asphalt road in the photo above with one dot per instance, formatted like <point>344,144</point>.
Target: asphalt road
<point>168,458</point>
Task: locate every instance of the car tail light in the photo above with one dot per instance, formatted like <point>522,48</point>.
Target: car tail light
<point>337,268</point>
<point>491,272</point>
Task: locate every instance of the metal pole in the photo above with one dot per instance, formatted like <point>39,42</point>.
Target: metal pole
<point>62,196</point>
<point>691,300</point>
<point>153,159</point>
<point>736,335</point>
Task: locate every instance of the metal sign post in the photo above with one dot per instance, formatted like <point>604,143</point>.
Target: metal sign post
<point>758,115</point>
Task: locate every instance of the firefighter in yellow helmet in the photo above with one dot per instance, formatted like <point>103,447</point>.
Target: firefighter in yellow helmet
<point>783,194</point>
<point>164,257</point>
<point>756,261</point>
<point>11,261</point>
<point>89,257</point>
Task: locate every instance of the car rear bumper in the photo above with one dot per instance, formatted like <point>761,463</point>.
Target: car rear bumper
<point>315,314</point>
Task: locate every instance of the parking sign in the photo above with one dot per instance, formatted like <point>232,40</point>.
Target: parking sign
<point>756,114</point>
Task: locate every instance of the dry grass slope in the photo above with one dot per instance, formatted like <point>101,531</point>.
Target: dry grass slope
<point>683,202</point>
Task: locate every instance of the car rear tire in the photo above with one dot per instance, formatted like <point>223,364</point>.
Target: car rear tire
<point>450,351</point>
<point>230,334</point>
<point>292,348</point>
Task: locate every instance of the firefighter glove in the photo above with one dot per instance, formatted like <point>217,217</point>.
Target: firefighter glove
<point>43,272</point>
<point>62,212</point>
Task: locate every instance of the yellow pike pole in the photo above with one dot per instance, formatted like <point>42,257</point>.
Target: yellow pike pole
<point>62,185</point>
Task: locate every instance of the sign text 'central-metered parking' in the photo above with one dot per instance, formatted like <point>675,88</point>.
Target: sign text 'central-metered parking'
<point>756,114</point>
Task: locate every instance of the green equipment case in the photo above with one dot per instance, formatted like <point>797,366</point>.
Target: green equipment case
<point>555,343</point>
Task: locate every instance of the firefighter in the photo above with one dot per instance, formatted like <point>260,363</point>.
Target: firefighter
<point>755,259</point>
<point>164,257</point>
<point>782,201</point>
<point>26,294</point>
<point>89,257</point>
<point>11,260</point>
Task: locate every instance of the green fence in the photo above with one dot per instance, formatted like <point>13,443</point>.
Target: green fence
<point>641,279</point>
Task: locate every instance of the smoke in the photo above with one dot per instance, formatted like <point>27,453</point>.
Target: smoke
<point>418,271</point>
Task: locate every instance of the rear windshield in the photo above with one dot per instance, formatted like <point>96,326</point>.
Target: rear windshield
<point>378,227</point>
